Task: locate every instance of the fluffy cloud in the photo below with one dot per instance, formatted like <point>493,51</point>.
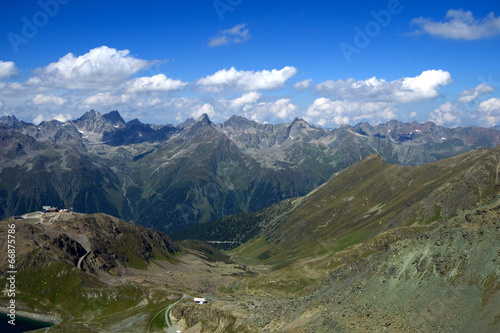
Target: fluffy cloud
<point>99,68</point>
<point>248,105</point>
<point>447,113</point>
<point>7,69</point>
<point>157,83</point>
<point>59,117</point>
<point>280,110</point>
<point>247,80</point>
<point>327,112</point>
<point>470,95</point>
<point>302,85</point>
<point>421,87</point>
<point>149,102</point>
<point>205,108</point>
<point>105,99</point>
<point>404,90</point>
<point>237,34</point>
<point>62,117</point>
<point>246,99</point>
<point>38,119</point>
<point>459,24</point>
<point>452,113</point>
<point>488,112</point>
<point>41,99</point>
<point>489,106</point>
<point>157,109</point>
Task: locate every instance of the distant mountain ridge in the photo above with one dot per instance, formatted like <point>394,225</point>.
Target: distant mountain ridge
<point>172,176</point>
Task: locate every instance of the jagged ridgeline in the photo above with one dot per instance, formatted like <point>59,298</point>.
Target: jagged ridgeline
<point>173,176</point>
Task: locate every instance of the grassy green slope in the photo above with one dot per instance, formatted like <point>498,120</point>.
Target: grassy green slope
<point>373,196</point>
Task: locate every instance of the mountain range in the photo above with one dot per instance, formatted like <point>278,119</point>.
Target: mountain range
<point>173,176</point>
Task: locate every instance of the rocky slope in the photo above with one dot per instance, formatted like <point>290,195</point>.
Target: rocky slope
<point>92,243</point>
<point>438,278</point>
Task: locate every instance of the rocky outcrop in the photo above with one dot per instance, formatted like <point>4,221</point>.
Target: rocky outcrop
<point>204,318</point>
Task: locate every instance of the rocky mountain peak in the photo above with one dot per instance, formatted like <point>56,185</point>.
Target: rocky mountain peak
<point>10,121</point>
<point>237,121</point>
<point>204,119</point>
<point>188,122</point>
<point>92,125</point>
<point>202,122</point>
<point>134,122</point>
<point>92,114</point>
<point>363,128</point>
<point>114,118</point>
<point>298,127</point>
<point>299,122</point>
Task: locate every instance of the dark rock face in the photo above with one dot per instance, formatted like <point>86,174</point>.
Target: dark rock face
<point>69,246</point>
<point>114,118</point>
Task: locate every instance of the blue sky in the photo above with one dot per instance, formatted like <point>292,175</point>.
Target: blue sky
<point>271,61</point>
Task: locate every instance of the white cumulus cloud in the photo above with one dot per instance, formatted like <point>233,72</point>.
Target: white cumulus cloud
<point>488,112</point>
<point>237,34</point>
<point>149,102</point>
<point>247,80</point>
<point>62,117</point>
<point>38,119</point>
<point>302,85</point>
<point>205,108</point>
<point>247,98</point>
<point>404,90</point>
<point>470,95</point>
<point>100,67</point>
<point>41,99</point>
<point>448,113</point>
<point>328,112</point>
<point>105,99</point>
<point>490,105</point>
<point>459,24</point>
<point>452,113</point>
<point>7,69</point>
<point>156,83</point>
<point>282,109</point>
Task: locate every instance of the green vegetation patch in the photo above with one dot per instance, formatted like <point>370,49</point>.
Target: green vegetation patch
<point>225,290</point>
<point>348,241</point>
<point>434,218</point>
<point>490,286</point>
